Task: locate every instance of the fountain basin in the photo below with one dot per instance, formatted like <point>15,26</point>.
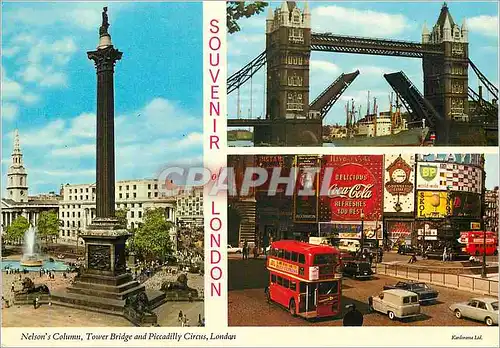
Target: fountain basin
<point>31,263</point>
<point>47,265</point>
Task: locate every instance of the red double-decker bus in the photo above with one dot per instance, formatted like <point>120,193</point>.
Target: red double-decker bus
<point>304,278</point>
<point>474,242</point>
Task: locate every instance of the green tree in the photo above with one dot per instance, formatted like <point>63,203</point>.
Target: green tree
<point>152,240</point>
<point>15,232</point>
<point>48,225</point>
<point>121,215</point>
<point>236,10</point>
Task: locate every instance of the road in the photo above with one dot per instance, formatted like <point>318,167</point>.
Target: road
<point>248,306</point>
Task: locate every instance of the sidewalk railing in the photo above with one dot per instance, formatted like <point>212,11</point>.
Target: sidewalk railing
<point>456,281</point>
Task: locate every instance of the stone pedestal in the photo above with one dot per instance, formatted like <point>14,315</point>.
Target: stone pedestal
<point>104,285</point>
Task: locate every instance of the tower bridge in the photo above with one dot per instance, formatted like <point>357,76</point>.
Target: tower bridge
<point>291,120</point>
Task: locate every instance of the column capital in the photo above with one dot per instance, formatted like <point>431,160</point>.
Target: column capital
<point>105,58</point>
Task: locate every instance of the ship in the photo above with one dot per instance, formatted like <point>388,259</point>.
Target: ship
<point>389,128</point>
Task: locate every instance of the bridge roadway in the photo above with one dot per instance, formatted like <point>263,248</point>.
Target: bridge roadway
<point>248,306</point>
<point>245,122</point>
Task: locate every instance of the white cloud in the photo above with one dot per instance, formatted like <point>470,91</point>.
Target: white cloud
<point>44,76</point>
<point>375,71</point>
<point>344,20</point>
<point>10,51</point>
<point>324,66</point>
<point>9,111</point>
<point>51,134</point>
<point>72,173</point>
<point>191,139</point>
<point>58,51</point>
<point>484,25</point>
<point>83,126</point>
<point>75,151</point>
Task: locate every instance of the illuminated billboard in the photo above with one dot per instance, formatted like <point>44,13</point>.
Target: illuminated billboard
<point>354,187</point>
<point>399,183</point>
<point>449,176</point>
<point>433,204</point>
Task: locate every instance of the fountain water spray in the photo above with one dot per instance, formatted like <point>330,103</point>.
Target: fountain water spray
<point>31,258</point>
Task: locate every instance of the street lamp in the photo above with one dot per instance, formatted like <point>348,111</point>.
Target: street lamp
<point>362,242</point>
<point>483,269</point>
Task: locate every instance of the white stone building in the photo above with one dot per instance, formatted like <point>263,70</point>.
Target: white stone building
<point>77,208</point>
<point>190,207</point>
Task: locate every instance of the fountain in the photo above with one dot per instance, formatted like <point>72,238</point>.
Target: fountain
<point>31,258</point>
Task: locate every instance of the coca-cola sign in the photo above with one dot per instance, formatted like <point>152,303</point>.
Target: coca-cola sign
<point>354,191</point>
<point>355,188</point>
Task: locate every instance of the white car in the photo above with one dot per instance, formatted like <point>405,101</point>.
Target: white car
<point>233,250</point>
<point>484,309</point>
<point>396,303</point>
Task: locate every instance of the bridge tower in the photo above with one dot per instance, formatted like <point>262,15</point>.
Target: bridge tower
<point>288,47</point>
<point>446,76</point>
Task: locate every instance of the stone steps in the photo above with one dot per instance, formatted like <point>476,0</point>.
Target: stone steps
<point>105,287</point>
<point>97,303</point>
<point>106,294</point>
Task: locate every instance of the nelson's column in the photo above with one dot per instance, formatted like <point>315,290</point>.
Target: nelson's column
<point>104,284</point>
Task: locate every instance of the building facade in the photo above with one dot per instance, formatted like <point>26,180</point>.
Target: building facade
<point>77,207</point>
<point>189,205</point>
<point>491,210</point>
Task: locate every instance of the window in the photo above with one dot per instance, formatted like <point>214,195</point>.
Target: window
<point>70,191</point>
<point>149,186</point>
<point>302,258</point>
<point>73,214</point>
<point>293,285</point>
<point>140,214</point>
<point>156,194</point>
<point>287,255</point>
<point>86,197</point>
<point>127,196</point>
<point>149,194</point>
<point>286,283</point>
<point>273,278</point>
<point>81,197</point>
<point>323,259</point>
<point>295,80</point>
<point>87,189</point>
<point>135,187</point>
<point>131,214</point>
<point>120,195</point>
<point>481,305</point>
<point>128,187</point>
<point>328,288</point>
<point>79,224</point>
<point>280,281</point>
<point>294,101</point>
<point>78,214</point>
<point>135,195</point>
<point>472,303</point>
<point>156,186</point>
<point>73,223</point>
<point>281,253</point>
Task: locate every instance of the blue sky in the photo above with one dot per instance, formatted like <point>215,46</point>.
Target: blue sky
<point>49,88</point>
<point>394,20</point>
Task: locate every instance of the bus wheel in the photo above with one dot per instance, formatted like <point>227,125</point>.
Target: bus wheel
<point>292,308</point>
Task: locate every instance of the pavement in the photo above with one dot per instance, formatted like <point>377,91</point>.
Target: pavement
<point>247,305</point>
<point>58,316</point>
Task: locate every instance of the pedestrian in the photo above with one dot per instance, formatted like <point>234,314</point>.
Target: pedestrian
<point>353,317</point>
<point>245,249</point>
<point>444,254</point>
<point>34,303</point>
<point>12,287</point>
<point>180,316</point>
<point>199,320</point>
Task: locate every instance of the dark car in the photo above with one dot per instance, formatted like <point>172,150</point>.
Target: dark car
<point>425,293</point>
<point>357,269</point>
<point>406,249</point>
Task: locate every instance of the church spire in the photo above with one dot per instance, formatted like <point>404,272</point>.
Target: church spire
<point>17,185</point>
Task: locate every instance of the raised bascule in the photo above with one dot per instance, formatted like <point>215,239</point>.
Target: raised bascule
<point>104,284</point>
<point>292,120</point>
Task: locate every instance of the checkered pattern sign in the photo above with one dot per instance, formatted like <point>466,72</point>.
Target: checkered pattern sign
<point>460,177</point>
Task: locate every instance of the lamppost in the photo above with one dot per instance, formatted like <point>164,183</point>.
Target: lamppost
<point>483,269</point>
<point>362,241</point>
